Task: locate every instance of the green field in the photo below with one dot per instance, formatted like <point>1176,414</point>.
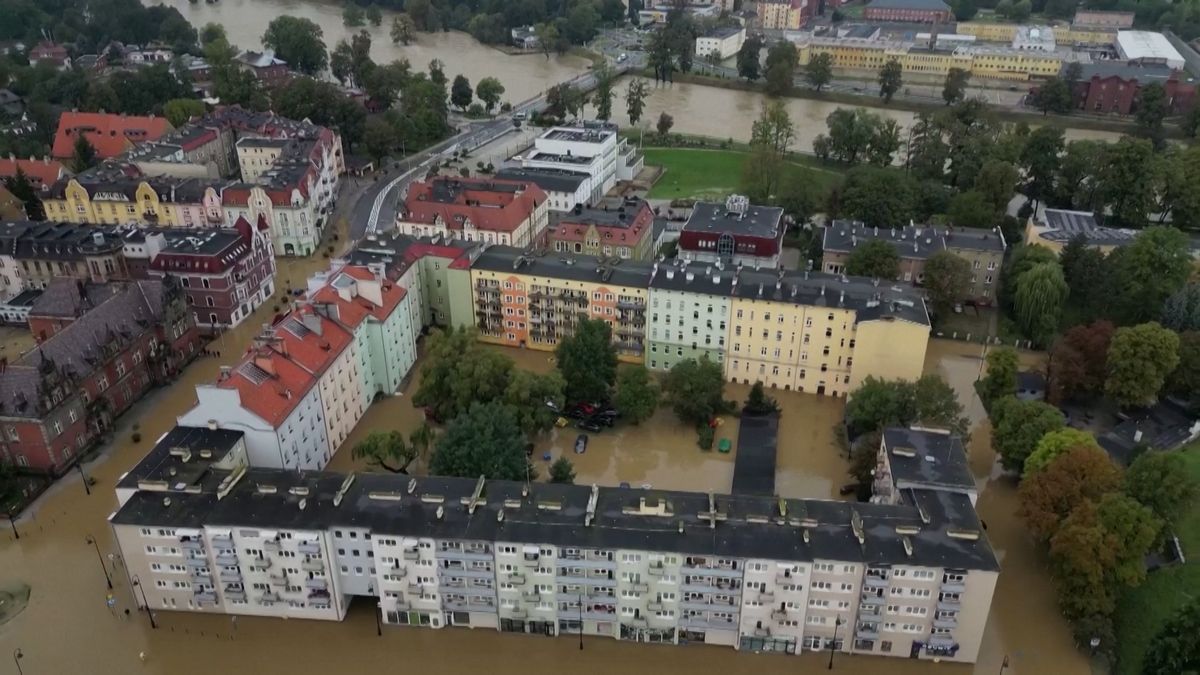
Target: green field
<point>692,173</point>
<point>1144,610</point>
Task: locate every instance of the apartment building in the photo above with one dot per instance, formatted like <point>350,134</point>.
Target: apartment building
<point>733,233</point>
<point>591,147</point>
<point>689,314</point>
<point>58,398</point>
<point>982,249</point>
<point>620,227</point>
<point>564,189</point>
<point>533,300</point>
<point>226,273</point>
<point>329,353</point>
<point>435,273</point>
<point>375,309</point>
<point>40,172</point>
<point>44,251</point>
<point>913,578</point>
<point>723,42</point>
<point>109,133</point>
<point>1108,87</point>
<point>919,11</point>
<point>475,209</point>
<point>782,14</point>
<point>118,194</point>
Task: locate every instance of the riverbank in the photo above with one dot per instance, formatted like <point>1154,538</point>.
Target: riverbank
<point>842,98</point>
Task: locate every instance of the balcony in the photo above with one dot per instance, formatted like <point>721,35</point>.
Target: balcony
<point>312,565</point>
<point>779,614</point>
<point>516,578</point>
<point>272,546</point>
<point>231,577</point>
<point>318,584</point>
<point>196,562</point>
<point>762,631</point>
<point>222,541</point>
<point>655,570</point>
<point>872,599</point>
<point>784,579</point>
<point>260,564</point>
<point>766,597</point>
<point>235,595</point>
<point>875,582</point>
<point>411,554</point>
<point>654,607</point>
<point>953,587</point>
<point>531,596</point>
<point>226,560</point>
<point>191,544</point>
<point>946,622</point>
<point>867,631</point>
<point>870,610</point>
<point>639,588</point>
<point>205,598</point>
<point>949,605</point>
<point>278,578</point>
<point>309,548</point>
<point>201,578</point>
<point>414,587</point>
<point>268,598</point>
<point>517,613</point>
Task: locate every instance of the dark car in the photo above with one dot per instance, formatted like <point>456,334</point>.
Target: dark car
<point>581,443</point>
<point>588,425</point>
<point>606,420</point>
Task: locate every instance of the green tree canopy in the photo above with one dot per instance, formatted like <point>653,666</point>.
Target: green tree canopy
<point>1176,648</point>
<point>461,93</point>
<point>1156,265</point>
<point>485,440</point>
<point>1163,482</point>
<point>1054,444</point>
<point>947,281</point>
<point>874,258</point>
<point>890,80</point>
<point>297,41</point>
<point>748,64</point>
<point>489,90</point>
<point>1181,309</point>
<point>781,67</point>
<point>457,371</point>
<point>954,89</point>
<point>879,403</point>
<point>819,70</point>
<point>1184,381</point>
<point>562,471</point>
<point>588,361</point>
<point>385,449</point>
<point>1001,378</point>
<point>530,394</point>
<point>637,393</point>
<point>1139,360</point>
<point>695,390</point>
<point>758,403</point>
<point>635,100</point>
<point>1017,426</point>
<point>879,197</point>
<point>972,209</point>
<point>1083,473</point>
<point>403,30</point>
<point>1039,299</point>
<point>179,110</point>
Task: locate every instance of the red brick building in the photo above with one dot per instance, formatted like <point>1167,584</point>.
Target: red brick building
<point>911,11</point>
<point>58,398</point>
<point>226,273</point>
<point>733,233</point>
<point>1114,87</point>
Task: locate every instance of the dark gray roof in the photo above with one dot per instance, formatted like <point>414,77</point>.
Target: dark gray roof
<point>758,221</point>
<point>1147,73</point>
<point>1069,224</point>
<point>26,298</point>
<point>550,180</point>
<point>184,457</point>
<point>912,242</point>
<point>57,241</point>
<point>555,514</point>
<point>1028,380</point>
<point>927,459</point>
<point>1166,425</point>
<point>70,298</point>
<point>932,5</point>
<point>564,266</point>
<point>754,462</point>
<point>721,32</point>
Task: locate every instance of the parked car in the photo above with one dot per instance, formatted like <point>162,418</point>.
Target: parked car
<point>588,425</point>
<point>581,442</point>
<point>606,420</point>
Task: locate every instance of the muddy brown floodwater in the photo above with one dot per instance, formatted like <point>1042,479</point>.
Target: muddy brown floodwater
<point>67,627</point>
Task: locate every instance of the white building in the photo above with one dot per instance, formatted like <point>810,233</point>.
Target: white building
<point>593,148</point>
<point>1144,47</point>
<point>329,353</point>
<point>564,189</point>
<point>724,42</point>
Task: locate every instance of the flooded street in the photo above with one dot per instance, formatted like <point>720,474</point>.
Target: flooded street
<point>523,76</point>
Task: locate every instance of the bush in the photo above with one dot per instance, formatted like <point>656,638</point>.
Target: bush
<point>706,435</point>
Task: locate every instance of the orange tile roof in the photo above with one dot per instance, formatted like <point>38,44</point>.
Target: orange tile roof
<point>352,312</point>
<point>41,172</point>
<point>109,133</point>
<point>312,351</point>
<point>274,396</point>
<point>495,205</point>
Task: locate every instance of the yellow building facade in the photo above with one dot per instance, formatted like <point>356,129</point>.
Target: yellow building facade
<point>985,62</point>
<point>1083,36</point>
<point>988,32</point>
<point>187,203</point>
<point>791,346</point>
<point>779,16</point>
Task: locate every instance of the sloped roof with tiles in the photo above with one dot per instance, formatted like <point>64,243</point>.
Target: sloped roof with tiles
<point>109,133</point>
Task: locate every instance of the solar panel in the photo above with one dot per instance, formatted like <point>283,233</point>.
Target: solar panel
<point>254,373</point>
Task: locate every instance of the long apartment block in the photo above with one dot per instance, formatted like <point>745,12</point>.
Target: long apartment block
<point>909,576</point>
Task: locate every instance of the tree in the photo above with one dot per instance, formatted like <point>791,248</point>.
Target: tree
<point>1022,259</point>
<point>1001,378</point>
<point>489,90</point>
<point>1181,189</point>
<point>965,10</point>
<point>819,70</point>
<point>461,94</point>
<point>773,129</point>
<point>386,450</point>
<point>855,132</point>
<point>1089,277</point>
<point>588,361</point>
<point>582,23</point>
<point>1053,96</point>
<point>1080,474</point>
<point>1150,109</point>
<point>457,371</point>
<point>1175,648</point>
<point>234,86</point>
<point>403,30</point>
<point>84,156</point>
<point>374,16</point>
<point>660,56</point>
<point>534,398</point>
<point>1054,444</point>
<point>562,471</point>
<point>1079,362</point>
<point>379,139</point>
<point>635,100</point>
<point>1162,482</point>
<point>180,110</point>
<point>212,32</point>
<point>383,84</point>
<point>947,280</point>
<point>758,403</point>
<point>485,440</point>
<point>548,37</point>
<point>936,405</point>
<point>748,64</point>
<point>997,180</point>
<point>864,459</point>
<point>21,188</point>
<point>1125,180</point>
<point>637,393</point>
<point>353,16</point>
<point>1181,309</point>
<point>603,98</point>
<point>879,197</point>
<point>1017,426</point>
<point>955,87</point>
<point>761,173</point>
<point>694,388</point>
<point>781,67</point>
<point>297,41</point>
<point>972,209</point>
<point>1184,382</point>
<point>665,122</point>
<point>875,258</point>
<point>890,80</point>
<point>1149,271</point>
<point>879,403</point>
<point>421,440</point>
<point>1040,160</point>
<point>1139,361</point>
<point>424,14</point>
<point>1041,293</point>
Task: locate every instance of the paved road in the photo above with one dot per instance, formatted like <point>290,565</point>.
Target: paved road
<point>377,206</point>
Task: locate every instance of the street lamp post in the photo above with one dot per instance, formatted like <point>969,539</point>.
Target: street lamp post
<point>12,521</point>
<point>1004,665</point>
<point>137,583</point>
<point>86,488</point>
<point>107,579</point>
<point>833,643</point>
<point>17,656</point>
<point>379,621</point>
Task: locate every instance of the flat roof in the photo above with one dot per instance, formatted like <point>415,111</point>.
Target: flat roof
<point>185,457</point>
<point>722,32</point>
<point>909,4</point>
<point>754,461</point>
<point>550,180</point>
<point>927,458</point>
<point>754,221</point>
<point>1144,44</point>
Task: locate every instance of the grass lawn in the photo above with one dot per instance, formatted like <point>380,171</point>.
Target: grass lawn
<point>1144,610</point>
<point>692,173</point>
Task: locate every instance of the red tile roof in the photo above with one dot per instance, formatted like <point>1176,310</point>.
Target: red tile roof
<point>575,228</point>
<point>110,134</point>
<point>41,172</point>
<point>274,397</point>
<point>496,205</point>
<point>304,346</point>
<point>354,309</point>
